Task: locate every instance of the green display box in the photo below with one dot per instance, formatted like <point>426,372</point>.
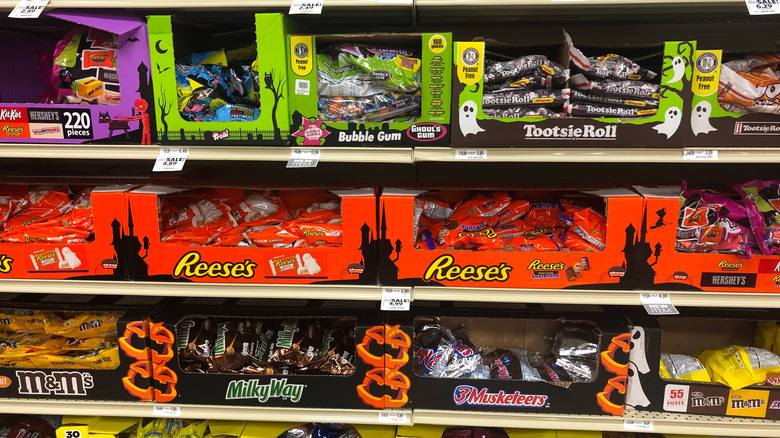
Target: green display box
<point>309,128</point>
<point>269,129</point>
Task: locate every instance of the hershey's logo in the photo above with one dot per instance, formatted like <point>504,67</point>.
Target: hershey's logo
<point>55,382</point>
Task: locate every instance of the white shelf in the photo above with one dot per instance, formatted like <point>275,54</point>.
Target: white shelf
<point>596,155</point>
<point>662,422</point>
<point>204,153</point>
<point>454,4</point>
<point>185,289</point>
<point>603,297</point>
<point>203,412</point>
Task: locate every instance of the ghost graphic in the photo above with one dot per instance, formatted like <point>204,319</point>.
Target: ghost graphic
<point>635,395</point>
<point>638,355</point>
<point>671,122</point>
<point>467,118</point>
<point>700,118</point>
<point>678,67</point>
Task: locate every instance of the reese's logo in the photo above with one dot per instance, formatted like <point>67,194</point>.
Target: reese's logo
<point>546,270</point>
<point>5,264</point>
<point>190,265</point>
<point>444,268</point>
<point>730,266</point>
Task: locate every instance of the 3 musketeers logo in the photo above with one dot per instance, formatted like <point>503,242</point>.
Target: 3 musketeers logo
<point>472,396</point>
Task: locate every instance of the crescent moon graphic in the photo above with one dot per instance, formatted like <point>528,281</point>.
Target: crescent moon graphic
<point>476,87</point>
<point>159,50</point>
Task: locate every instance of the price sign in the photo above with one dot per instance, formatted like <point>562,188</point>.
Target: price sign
<point>303,158</point>
<point>396,298</point>
<point>700,155</point>
<point>658,304</point>
<point>763,7</point>
<point>471,154</point>
<point>306,7</point>
<point>166,411</point>
<point>638,425</point>
<point>29,9</point>
<point>393,417</point>
<point>171,160</point>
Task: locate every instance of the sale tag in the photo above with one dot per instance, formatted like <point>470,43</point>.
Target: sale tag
<point>638,425</point>
<point>396,298</point>
<point>28,8</point>
<point>80,431</point>
<point>700,155</point>
<point>303,158</point>
<point>658,304</point>
<point>763,7</point>
<point>171,160</point>
<point>470,154</point>
<point>393,417</point>
<point>306,7</point>
<point>166,411</point>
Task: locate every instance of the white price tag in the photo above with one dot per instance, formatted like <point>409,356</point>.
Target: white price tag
<point>763,7</point>
<point>700,155</point>
<point>166,411</point>
<point>393,418</point>
<point>396,298</point>
<point>302,87</point>
<point>639,425</point>
<point>306,7</point>
<point>171,160</point>
<point>303,158</point>
<point>658,304</point>
<point>28,9</point>
<point>471,154</point>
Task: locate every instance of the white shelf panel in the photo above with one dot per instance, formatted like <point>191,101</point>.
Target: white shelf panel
<point>597,155</point>
<point>205,412</point>
<point>204,153</point>
<point>662,422</point>
<point>205,4</point>
<point>184,289</point>
<point>604,297</point>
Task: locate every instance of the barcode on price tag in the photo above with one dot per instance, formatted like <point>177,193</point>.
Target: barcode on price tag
<point>303,158</point>
<point>393,417</point>
<point>470,154</point>
<point>302,87</point>
<point>763,7</point>
<point>640,425</point>
<point>29,9</point>
<point>700,155</point>
<point>396,298</point>
<point>166,411</point>
<point>171,160</point>
<point>306,7</point>
<point>658,304</point>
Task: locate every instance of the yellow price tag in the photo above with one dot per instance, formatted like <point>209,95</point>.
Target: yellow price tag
<point>72,431</point>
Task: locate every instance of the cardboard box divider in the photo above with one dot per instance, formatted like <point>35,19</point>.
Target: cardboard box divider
<point>30,122</point>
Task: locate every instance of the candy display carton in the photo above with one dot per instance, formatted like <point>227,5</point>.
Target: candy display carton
<point>547,105</point>
<point>282,353</point>
<point>734,333</point>
<point>541,261</point>
<point>88,348</point>
<point>554,361</point>
<point>245,123</point>
<point>735,100</point>
<point>250,236</point>
<point>661,266</point>
<point>105,61</point>
<point>65,233</point>
<point>370,90</point>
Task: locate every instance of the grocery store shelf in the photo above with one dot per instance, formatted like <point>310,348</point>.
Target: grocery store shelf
<point>454,4</point>
<point>204,412</point>
<point>661,422</point>
<point>204,4</point>
<point>203,153</point>
<point>595,155</point>
<point>186,289</point>
<point>602,297</point>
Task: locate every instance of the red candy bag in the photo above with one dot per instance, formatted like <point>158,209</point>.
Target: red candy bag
<point>259,209</point>
<point>592,227</point>
<point>276,236</point>
<point>316,234</point>
<point>482,206</point>
<point>542,214</point>
<point>319,212</point>
<point>39,206</point>
<point>515,210</point>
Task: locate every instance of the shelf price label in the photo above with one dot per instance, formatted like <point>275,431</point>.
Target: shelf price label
<point>166,411</point>
<point>81,431</point>
<point>28,9</point>
<point>471,154</point>
<point>763,7</point>
<point>638,425</point>
<point>396,299</point>
<point>658,304</point>
<point>171,160</point>
<point>303,158</point>
<point>306,7</point>
<point>700,155</point>
<point>393,418</point>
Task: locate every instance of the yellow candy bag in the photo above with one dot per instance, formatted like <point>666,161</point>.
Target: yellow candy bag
<point>766,335</point>
<point>21,320</point>
<point>738,367</point>
<point>75,344</point>
<point>82,324</point>
<point>98,360</point>
<point>682,367</point>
